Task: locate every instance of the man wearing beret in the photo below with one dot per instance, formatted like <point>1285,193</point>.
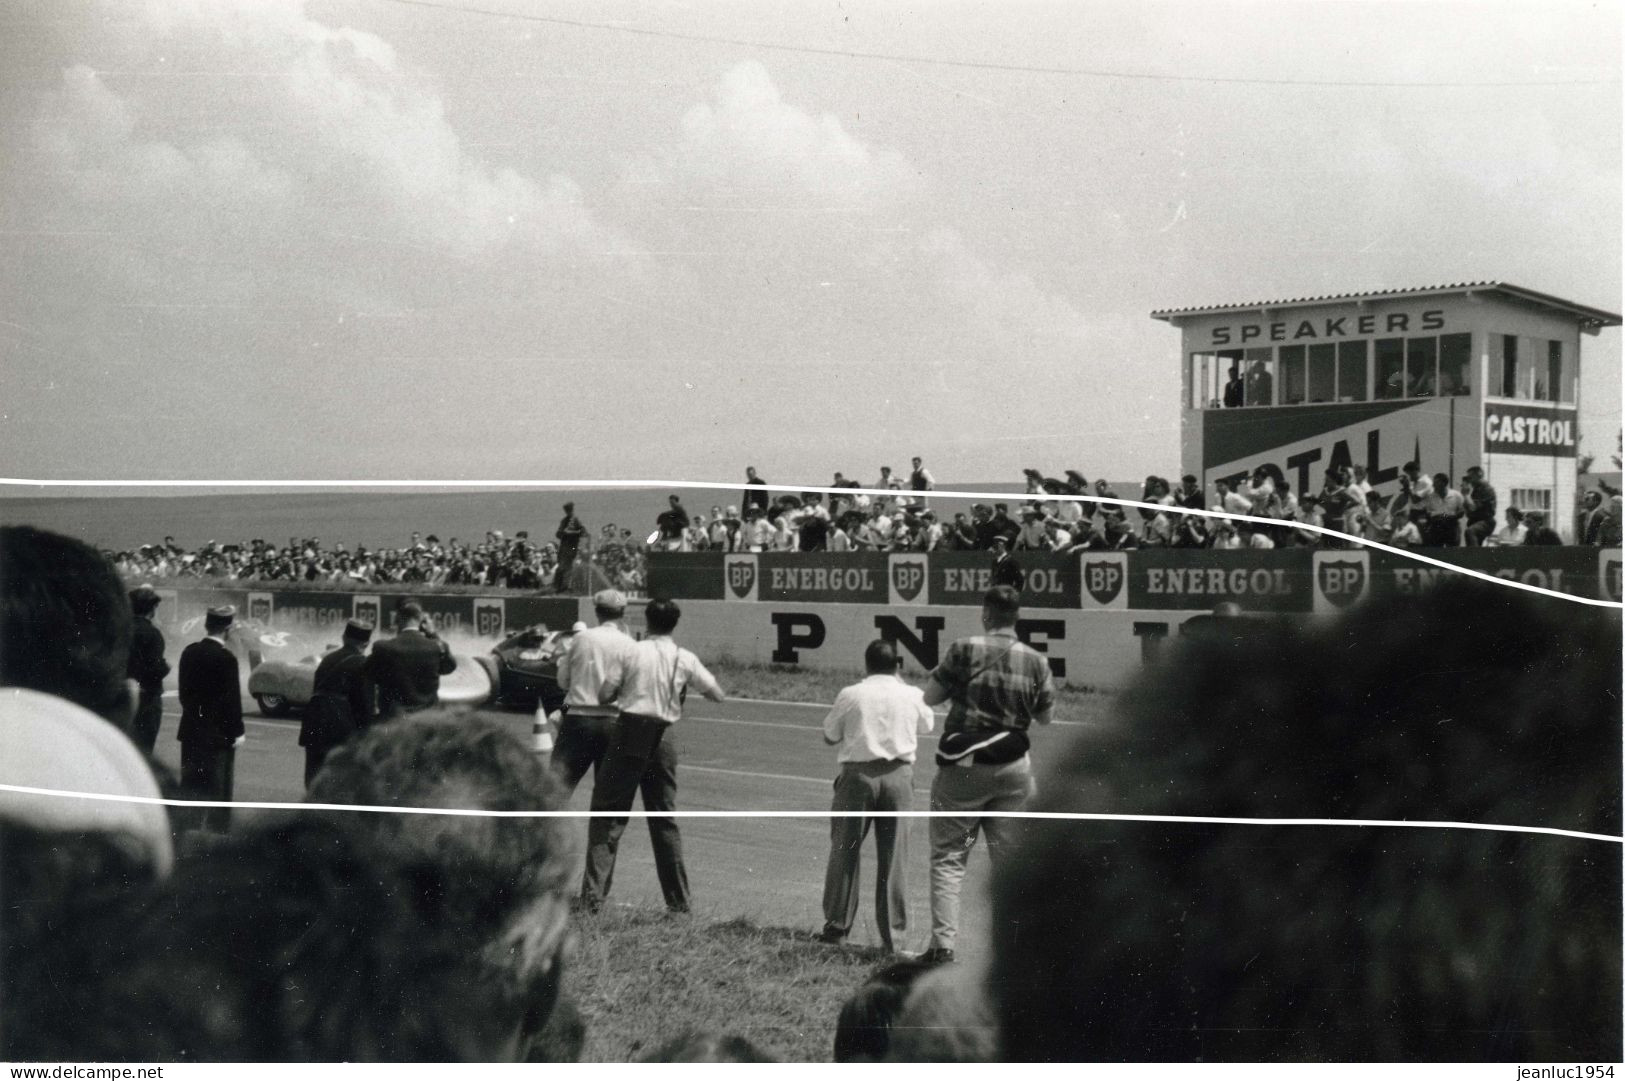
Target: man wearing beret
<point>211,718</point>
<point>341,700</point>
<point>147,667</point>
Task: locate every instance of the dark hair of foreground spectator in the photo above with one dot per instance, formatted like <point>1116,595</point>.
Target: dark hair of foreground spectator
<point>703,1047</point>
<point>65,623</point>
<point>67,899</point>
<point>1473,703</point>
<point>509,875</point>
<point>863,1030</point>
<point>292,942</point>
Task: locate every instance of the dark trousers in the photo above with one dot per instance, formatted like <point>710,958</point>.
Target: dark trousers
<point>149,717</point>
<point>583,742</point>
<point>314,757</point>
<point>638,760</point>
<point>869,786</point>
<point>207,773</point>
<point>561,576</point>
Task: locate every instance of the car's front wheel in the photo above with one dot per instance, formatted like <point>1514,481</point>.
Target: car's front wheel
<point>273,705</point>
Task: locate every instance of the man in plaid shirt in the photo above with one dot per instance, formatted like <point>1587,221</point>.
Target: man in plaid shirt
<point>998,686</point>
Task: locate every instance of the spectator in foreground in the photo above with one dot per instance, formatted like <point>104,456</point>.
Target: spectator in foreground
<point>706,1047</point>
<point>294,941</point>
<point>507,876</point>
<point>997,687</point>
<point>65,625</point>
<point>946,1018</point>
<point>863,1031</point>
<point>1174,941</point>
<point>876,724</point>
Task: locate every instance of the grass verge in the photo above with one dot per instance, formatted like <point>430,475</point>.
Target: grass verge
<point>642,977</point>
<point>793,683</point>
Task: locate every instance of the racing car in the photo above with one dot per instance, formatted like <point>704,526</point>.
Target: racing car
<point>285,677</point>
<point>522,671</point>
<point>524,667</point>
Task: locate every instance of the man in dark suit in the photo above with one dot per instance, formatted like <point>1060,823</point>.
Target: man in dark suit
<point>341,700</point>
<point>407,668</point>
<point>569,535</point>
<point>211,718</point>
<point>147,667</point>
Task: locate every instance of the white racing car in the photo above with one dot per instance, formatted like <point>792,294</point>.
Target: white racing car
<point>284,676</point>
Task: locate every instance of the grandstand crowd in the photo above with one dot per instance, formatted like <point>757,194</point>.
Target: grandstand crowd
<point>1426,512</point>
<point>496,561</point>
<point>1058,516</point>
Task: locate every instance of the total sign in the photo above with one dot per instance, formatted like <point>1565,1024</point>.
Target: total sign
<point>740,577</point>
<point>906,577</point>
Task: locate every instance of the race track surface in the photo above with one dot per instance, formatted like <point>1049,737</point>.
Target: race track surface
<point>739,755</point>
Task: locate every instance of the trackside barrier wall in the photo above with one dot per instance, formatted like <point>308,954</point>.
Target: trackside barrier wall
<point>1098,617</point>
<point>1153,579</point>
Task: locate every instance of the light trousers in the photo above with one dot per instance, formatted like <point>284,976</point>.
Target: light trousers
<point>981,792</point>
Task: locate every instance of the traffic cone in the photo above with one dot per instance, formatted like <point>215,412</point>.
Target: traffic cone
<point>541,736</point>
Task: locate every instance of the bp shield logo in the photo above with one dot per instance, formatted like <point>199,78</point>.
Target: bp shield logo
<point>259,608</point>
<point>1103,580</point>
<point>1610,575</point>
<point>488,615</point>
<point>1340,582</point>
<point>740,572</point>
<point>907,580</point>
<point>364,607</point>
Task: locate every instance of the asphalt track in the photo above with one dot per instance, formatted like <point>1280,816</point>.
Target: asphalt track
<point>739,755</point>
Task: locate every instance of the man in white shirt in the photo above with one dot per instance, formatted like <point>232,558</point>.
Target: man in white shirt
<point>1032,536</point>
<point>1512,534</point>
<point>658,676</point>
<point>876,725</point>
<point>589,672</point>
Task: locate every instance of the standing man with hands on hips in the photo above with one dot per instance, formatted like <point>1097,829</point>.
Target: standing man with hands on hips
<point>876,724</point>
<point>642,756</point>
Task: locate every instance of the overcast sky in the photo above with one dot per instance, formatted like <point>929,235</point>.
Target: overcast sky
<point>386,239</point>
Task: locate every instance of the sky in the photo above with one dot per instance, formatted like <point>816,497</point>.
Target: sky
<point>412,240</point>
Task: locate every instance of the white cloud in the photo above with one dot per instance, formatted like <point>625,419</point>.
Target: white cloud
<point>748,138</point>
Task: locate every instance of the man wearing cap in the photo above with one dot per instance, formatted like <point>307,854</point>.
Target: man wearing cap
<point>569,536</point>
<point>341,700</point>
<point>589,672</point>
<point>211,718</point>
<point>147,667</point>
<point>406,669</point>
<point>656,679</point>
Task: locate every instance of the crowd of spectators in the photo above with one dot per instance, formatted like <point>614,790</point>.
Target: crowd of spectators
<point>498,560</point>
<point>323,936</point>
<point>1426,511</point>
